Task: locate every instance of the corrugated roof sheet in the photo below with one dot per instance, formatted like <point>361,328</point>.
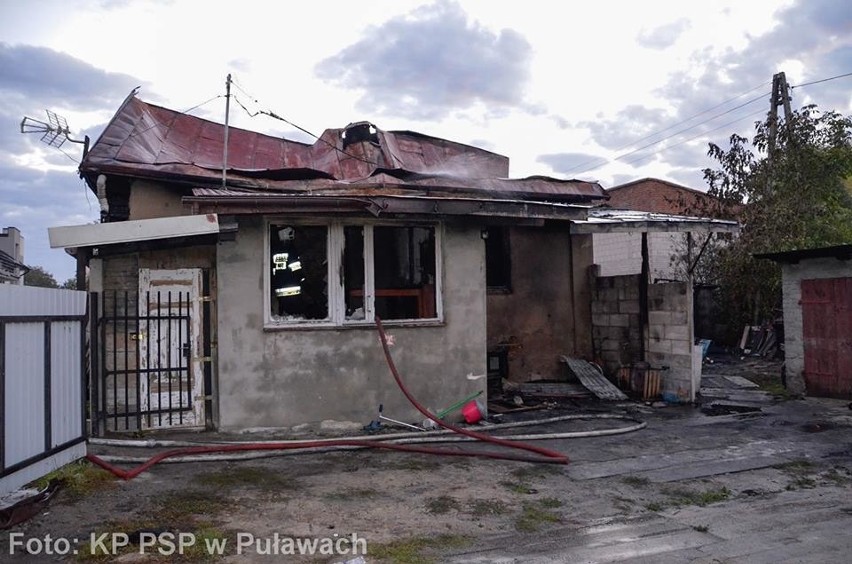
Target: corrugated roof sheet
<point>601,220</point>
<point>150,141</point>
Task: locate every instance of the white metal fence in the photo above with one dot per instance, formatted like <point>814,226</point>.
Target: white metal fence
<point>42,389</point>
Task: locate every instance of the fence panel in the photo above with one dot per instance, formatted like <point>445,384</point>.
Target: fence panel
<point>42,412</point>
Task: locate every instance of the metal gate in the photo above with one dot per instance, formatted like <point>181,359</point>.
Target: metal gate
<point>827,335</point>
<point>148,369</point>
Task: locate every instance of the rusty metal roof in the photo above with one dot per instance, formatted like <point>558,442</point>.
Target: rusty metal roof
<point>387,204</point>
<point>144,140</point>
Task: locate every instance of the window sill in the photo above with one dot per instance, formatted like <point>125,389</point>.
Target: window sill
<point>271,328</point>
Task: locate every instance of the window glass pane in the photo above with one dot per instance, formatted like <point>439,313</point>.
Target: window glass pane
<point>404,265</point>
<point>299,272</point>
<point>353,272</point>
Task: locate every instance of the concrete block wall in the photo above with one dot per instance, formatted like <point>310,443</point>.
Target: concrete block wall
<point>792,276</point>
<point>670,337</point>
<point>619,254</point>
<point>616,325</point>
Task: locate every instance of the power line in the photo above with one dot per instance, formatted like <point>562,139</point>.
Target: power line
<point>606,161</point>
<point>679,132</point>
<point>300,128</point>
<point>822,80</point>
<point>692,117</point>
<point>152,126</point>
<point>694,137</point>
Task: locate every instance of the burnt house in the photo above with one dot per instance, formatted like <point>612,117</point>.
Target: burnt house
<point>236,285</point>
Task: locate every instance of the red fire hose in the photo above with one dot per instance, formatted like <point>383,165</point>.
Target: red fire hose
<point>541,454</point>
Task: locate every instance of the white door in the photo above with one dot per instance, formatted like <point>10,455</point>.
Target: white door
<point>170,376</point>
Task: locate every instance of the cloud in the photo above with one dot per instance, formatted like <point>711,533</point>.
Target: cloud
<point>34,200</point>
<point>566,163</point>
<point>809,35</point>
<point>38,77</point>
<point>664,36</point>
<point>40,196</point>
<point>431,63</point>
<point>631,123</point>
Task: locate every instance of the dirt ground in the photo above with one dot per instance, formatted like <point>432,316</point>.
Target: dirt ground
<point>424,508</point>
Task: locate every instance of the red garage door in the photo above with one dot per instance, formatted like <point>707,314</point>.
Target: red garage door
<point>827,333</point>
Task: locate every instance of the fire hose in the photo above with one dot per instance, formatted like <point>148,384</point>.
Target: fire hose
<point>536,454</point>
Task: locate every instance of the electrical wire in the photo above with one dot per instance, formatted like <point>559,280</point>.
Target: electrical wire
<point>273,115</point>
<point>687,120</point>
<point>679,132</point>
<point>694,137</point>
<point>822,80</point>
<point>155,124</point>
<point>607,161</point>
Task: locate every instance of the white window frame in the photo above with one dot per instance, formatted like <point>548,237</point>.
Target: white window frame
<point>335,242</point>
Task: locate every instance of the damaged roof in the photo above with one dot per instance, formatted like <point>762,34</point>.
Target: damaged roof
<point>605,220</point>
<point>149,141</point>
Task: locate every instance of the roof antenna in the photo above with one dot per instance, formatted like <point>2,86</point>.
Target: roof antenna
<point>55,131</point>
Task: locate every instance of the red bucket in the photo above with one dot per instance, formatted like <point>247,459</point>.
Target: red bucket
<point>472,413</point>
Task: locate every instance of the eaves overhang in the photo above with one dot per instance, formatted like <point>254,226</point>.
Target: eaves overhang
<point>99,234</point>
<point>378,206</point>
<point>840,252</point>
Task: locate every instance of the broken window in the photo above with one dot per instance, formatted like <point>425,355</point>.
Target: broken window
<point>498,266</point>
<point>299,272</point>
<point>382,270</point>
<point>353,273</point>
<point>404,272</point>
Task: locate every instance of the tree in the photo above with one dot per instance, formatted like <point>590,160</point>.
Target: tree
<point>37,276</point>
<point>70,284</point>
<point>796,197</point>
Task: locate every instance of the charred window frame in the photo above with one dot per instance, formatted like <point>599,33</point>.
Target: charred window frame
<point>339,274</point>
<point>498,260</point>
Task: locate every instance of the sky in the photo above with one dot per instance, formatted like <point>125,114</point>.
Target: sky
<point>611,91</point>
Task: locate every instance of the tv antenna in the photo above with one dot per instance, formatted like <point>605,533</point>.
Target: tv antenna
<point>55,132</point>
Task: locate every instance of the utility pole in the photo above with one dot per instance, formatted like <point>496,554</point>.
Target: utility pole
<point>227,112</point>
<point>779,96</point>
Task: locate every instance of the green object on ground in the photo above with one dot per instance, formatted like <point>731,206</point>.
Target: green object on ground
<point>458,404</point>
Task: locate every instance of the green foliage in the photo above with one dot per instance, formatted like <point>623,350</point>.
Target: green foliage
<point>797,197</point>
<point>37,276</point>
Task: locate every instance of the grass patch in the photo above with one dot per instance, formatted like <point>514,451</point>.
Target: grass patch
<point>701,528</point>
<point>184,506</point>
<point>198,552</point>
<point>550,503</point>
<point>441,505</point>
<point>683,497</point>
<point>655,506</point>
<point>796,467</point>
<point>801,483</point>
<point>241,476</point>
<point>347,494</point>
<point>526,473</point>
<point>776,388</point>
<point>636,481</point>
<point>483,507</point>
<point>79,479</point>
<point>411,551</point>
<point>534,516</point>
<point>839,476</point>
<point>413,463</point>
<point>518,487</point>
